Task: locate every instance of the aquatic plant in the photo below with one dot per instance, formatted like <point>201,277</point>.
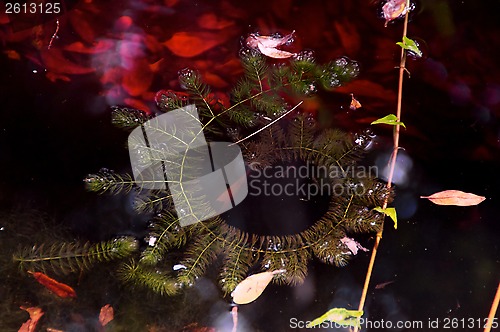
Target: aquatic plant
<point>248,117</point>
<point>68,257</point>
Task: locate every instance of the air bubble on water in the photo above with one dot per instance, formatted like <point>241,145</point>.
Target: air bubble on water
<point>422,46</point>
<point>341,62</point>
<point>177,267</point>
<point>312,88</point>
<point>360,140</point>
<point>248,53</point>
<point>311,122</point>
<point>305,55</point>
<point>277,35</point>
<point>186,72</point>
<point>185,76</point>
<point>333,82</point>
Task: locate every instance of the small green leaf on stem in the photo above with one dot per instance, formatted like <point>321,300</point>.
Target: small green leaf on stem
<point>340,316</point>
<point>410,45</point>
<point>390,119</point>
<point>391,212</point>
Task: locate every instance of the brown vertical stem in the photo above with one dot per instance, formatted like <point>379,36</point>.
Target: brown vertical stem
<point>493,310</point>
<point>392,164</point>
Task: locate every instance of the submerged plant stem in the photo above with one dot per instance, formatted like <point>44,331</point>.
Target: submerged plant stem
<point>392,164</point>
<point>493,310</point>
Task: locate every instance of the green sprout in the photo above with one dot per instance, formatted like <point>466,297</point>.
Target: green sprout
<point>410,45</point>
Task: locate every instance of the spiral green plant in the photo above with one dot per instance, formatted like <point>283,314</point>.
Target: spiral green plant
<point>171,256</point>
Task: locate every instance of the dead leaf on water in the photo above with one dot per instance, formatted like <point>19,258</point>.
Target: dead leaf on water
<point>106,315</point>
<point>191,44</point>
<point>30,325</point>
<point>267,45</point>
<point>355,104</point>
<point>252,287</point>
<point>394,9</point>
<point>455,197</point>
<point>352,245</point>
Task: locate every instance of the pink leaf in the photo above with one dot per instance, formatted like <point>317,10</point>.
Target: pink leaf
<point>35,315</point>
<point>352,245</point>
<point>106,315</point>
<point>394,9</point>
<point>267,45</point>
<point>455,197</point>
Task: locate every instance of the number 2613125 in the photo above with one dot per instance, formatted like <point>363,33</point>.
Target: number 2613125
<point>32,8</point>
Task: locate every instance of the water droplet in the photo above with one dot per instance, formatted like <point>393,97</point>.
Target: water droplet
<point>177,267</point>
<point>305,55</point>
<point>247,54</point>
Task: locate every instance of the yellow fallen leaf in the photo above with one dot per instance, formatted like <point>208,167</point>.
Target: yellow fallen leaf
<point>455,197</point>
<point>252,287</point>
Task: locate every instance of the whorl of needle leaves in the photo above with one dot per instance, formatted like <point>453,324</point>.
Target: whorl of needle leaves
<point>69,257</point>
<point>261,95</point>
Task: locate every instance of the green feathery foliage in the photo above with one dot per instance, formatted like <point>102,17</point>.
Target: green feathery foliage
<point>64,258</point>
<point>165,233</point>
<point>265,92</point>
<point>153,200</point>
<point>147,277</point>
<point>127,118</point>
<point>108,181</point>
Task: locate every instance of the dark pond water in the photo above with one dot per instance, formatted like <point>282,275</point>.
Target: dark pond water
<point>55,128</point>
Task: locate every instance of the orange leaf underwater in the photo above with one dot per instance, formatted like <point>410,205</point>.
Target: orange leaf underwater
<point>190,44</point>
<point>455,197</point>
<point>106,315</point>
<point>35,315</point>
<point>58,288</point>
<point>211,21</point>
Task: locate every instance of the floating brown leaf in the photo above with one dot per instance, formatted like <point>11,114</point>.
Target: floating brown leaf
<point>252,287</point>
<point>455,197</point>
